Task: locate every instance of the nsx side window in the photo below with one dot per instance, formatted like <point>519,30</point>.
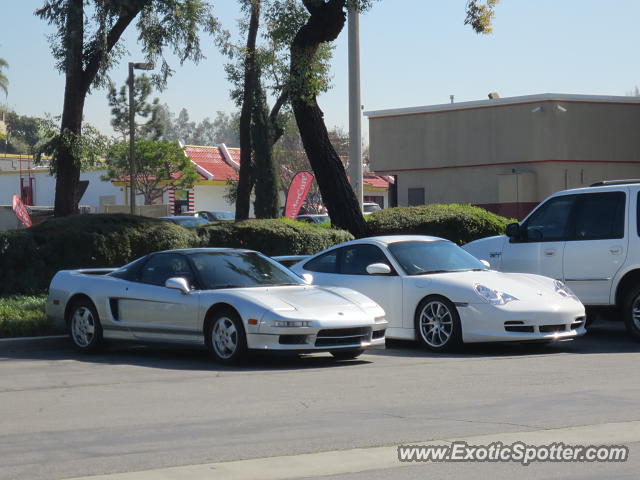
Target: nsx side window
<point>355,259</point>
<point>163,266</point>
<point>327,263</point>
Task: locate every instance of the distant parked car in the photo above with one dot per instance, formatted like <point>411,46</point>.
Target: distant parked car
<point>215,216</point>
<point>369,207</point>
<point>313,218</point>
<point>185,220</point>
<point>230,300</point>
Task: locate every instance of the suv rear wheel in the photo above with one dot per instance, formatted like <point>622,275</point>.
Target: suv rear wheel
<point>631,311</point>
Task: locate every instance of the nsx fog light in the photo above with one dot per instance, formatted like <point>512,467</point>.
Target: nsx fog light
<point>493,297</point>
<point>563,290</point>
<point>291,323</point>
<point>380,319</point>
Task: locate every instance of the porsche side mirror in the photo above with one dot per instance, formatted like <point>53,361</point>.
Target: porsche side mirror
<point>513,230</point>
<point>485,263</point>
<point>308,278</point>
<point>378,269</point>
<point>178,283</point>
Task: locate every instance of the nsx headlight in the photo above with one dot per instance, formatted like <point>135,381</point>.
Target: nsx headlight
<point>493,297</point>
<point>563,290</point>
<point>290,323</point>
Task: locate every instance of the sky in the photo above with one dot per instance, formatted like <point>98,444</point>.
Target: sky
<point>413,53</point>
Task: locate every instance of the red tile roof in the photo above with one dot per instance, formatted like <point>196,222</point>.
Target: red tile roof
<point>375,181</point>
<point>212,161</point>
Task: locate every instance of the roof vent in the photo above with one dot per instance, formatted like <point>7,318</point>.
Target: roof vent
<point>494,95</point>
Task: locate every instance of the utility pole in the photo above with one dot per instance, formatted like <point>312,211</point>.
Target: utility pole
<point>355,114</point>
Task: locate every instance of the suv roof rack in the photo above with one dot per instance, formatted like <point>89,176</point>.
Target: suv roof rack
<point>615,182</point>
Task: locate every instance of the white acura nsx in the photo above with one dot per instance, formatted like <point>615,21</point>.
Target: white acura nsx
<point>435,292</point>
<point>231,300</point>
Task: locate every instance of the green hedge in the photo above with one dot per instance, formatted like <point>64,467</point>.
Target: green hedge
<point>272,237</point>
<point>458,223</point>
<point>29,258</point>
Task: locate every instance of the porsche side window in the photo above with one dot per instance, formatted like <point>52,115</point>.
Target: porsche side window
<point>327,263</point>
<point>159,268</point>
<point>356,258</point>
<point>550,221</point>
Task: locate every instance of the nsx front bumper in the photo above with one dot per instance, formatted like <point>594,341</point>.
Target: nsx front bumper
<point>520,321</point>
<point>320,338</point>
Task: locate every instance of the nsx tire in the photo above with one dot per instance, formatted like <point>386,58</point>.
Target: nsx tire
<point>84,327</point>
<point>346,354</point>
<point>437,324</point>
<point>226,338</point>
<point>631,312</point>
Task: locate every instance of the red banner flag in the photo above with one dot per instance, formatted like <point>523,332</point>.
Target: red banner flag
<point>297,194</point>
<point>21,211</point>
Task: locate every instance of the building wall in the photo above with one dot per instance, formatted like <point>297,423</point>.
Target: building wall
<point>44,188</point>
<point>507,153</point>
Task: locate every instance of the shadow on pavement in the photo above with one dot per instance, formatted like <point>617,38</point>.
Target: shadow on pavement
<point>603,337</point>
<point>182,358</point>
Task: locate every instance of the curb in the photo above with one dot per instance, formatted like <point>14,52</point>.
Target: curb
<point>27,344</point>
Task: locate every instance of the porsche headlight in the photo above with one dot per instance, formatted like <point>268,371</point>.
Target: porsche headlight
<point>290,323</point>
<point>493,297</point>
<point>563,290</point>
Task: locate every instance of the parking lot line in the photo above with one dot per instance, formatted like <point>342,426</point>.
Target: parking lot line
<point>373,458</point>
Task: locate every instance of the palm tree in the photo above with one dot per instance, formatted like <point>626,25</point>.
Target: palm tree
<point>4,81</point>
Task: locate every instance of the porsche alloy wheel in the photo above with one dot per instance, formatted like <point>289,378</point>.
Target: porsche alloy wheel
<point>226,339</point>
<point>84,326</point>
<point>437,324</point>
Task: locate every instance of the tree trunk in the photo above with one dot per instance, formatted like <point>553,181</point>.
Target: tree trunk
<point>67,166</point>
<point>324,25</point>
<point>266,204</point>
<point>245,180</point>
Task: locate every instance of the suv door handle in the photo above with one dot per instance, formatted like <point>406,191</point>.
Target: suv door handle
<point>615,250</point>
<point>550,252</point>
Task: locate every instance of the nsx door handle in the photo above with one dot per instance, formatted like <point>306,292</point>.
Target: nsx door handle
<point>549,253</point>
<point>615,250</point>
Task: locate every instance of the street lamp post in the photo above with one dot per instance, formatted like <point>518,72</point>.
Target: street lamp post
<point>132,131</point>
<point>355,113</point>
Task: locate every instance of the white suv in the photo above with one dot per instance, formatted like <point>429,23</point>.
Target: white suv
<point>587,237</point>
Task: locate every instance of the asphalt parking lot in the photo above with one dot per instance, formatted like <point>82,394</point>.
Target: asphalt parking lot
<point>138,408</point>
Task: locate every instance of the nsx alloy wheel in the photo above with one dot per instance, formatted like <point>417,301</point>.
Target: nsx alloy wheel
<point>84,326</point>
<point>631,312</point>
<point>437,324</point>
<point>226,338</point>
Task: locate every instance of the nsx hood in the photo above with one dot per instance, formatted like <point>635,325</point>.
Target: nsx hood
<point>525,287</point>
<point>306,299</point>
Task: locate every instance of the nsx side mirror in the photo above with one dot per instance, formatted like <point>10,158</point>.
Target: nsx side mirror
<point>178,283</point>
<point>378,269</point>
<point>513,230</point>
<point>485,263</point>
<point>308,278</point>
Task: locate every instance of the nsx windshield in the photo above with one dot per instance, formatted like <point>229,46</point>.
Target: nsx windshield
<point>240,269</point>
<point>440,256</point>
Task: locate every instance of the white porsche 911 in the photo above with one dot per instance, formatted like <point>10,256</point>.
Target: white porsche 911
<point>434,291</point>
<point>231,300</point>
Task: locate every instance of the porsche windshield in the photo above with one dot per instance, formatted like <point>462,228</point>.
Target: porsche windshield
<point>240,269</point>
<point>440,256</point>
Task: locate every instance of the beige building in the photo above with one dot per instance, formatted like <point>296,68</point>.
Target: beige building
<point>505,154</point>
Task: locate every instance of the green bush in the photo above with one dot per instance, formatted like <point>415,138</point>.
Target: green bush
<point>271,237</point>
<point>458,223</point>
<point>29,258</point>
